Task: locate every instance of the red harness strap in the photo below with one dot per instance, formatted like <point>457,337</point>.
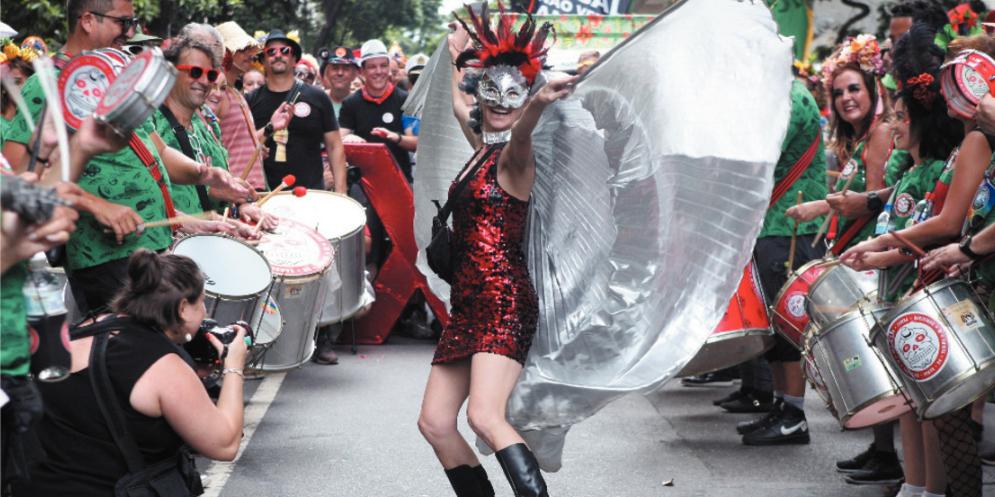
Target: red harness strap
<point>144,155</point>
<point>796,171</point>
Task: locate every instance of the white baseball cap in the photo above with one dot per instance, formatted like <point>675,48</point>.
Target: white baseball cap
<point>372,49</point>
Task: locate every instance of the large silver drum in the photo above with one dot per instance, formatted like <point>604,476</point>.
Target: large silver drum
<point>140,88</point>
<point>236,276</point>
<point>862,387</point>
<point>811,371</point>
<point>340,220</point>
<point>837,290</point>
<point>942,340</point>
<point>300,257</point>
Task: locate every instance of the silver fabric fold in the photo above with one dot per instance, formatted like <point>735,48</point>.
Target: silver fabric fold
<point>652,182</point>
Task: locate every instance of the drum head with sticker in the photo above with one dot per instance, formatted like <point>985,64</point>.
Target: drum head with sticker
<point>919,345</point>
<point>124,85</point>
<point>82,84</point>
<point>796,305</point>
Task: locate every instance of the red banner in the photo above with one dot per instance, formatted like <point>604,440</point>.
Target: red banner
<point>391,198</point>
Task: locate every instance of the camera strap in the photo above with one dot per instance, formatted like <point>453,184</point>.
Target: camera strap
<point>100,380</point>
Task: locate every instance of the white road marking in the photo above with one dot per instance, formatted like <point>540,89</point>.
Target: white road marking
<point>217,473</point>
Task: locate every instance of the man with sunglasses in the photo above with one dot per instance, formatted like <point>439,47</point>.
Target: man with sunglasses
<point>297,149</point>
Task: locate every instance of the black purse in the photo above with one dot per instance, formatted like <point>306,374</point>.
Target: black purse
<point>439,251</point>
<point>173,477</point>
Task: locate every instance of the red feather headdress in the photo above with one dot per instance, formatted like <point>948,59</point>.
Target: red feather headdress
<point>524,50</point>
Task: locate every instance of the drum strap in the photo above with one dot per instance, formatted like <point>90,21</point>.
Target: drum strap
<point>796,171</point>
<point>144,155</point>
<point>851,231</point>
<point>184,139</point>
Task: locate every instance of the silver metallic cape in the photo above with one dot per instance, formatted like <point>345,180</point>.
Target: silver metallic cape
<point>652,183</point>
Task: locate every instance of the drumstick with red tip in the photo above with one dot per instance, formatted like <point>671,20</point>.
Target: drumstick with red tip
<point>287,182</point>
<point>300,191</point>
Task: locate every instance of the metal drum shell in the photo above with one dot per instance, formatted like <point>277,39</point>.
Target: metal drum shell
<point>786,323</point>
<point>863,387</point>
<point>967,372</point>
<point>350,251</point>
<point>837,290</point>
<point>151,87</point>
<point>811,371</point>
<point>743,333</point>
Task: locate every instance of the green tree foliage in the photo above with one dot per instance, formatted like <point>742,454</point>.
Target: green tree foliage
<point>321,23</point>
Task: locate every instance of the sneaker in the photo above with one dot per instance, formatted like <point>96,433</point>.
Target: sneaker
<point>882,468</point>
<point>735,395</point>
<point>324,352</point>
<point>750,402</point>
<point>762,422</point>
<point>856,463</point>
<point>716,379</point>
<point>791,428</point>
<point>987,457</point>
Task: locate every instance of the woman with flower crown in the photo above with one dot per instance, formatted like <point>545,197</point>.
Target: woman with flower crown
<point>494,305</point>
<point>940,453</point>
<point>15,62</point>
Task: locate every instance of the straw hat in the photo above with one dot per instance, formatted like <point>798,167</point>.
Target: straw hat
<point>235,37</point>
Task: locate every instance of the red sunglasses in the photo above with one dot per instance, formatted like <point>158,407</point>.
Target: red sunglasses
<point>196,72</point>
<point>271,52</point>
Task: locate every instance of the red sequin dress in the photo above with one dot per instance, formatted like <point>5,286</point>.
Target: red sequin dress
<point>494,306</point>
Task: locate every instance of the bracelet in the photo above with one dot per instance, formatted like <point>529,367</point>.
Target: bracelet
<point>399,138</point>
<point>232,370</point>
<point>43,162</point>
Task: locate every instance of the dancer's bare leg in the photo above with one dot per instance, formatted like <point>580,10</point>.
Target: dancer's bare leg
<point>447,389</point>
<point>492,377</point>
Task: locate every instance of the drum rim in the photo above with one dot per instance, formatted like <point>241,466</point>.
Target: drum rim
<point>949,385</point>
<point>896,391</point>
<point>828,270</point>
<point>853,314</point>
<point>350,234</point>
<point>793,276</point>
<point>303,227</point>
<point>172,250</point>
<point>932,288</point>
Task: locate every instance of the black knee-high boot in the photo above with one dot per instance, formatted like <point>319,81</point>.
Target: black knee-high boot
<point>486,489</point>
<point>522,470</point>
<point>466,482</point>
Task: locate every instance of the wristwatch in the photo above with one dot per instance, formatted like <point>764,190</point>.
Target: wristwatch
<point>965,247</point>
<point>874,202</point>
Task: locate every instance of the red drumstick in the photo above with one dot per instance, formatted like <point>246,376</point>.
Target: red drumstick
<point>918,251</point>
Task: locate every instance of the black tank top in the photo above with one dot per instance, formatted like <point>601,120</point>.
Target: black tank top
<point>82,459</point>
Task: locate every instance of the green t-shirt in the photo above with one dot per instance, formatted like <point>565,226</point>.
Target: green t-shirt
<point>803,128</point>
<point>855,168</point>
<point>15,344</point>
<point>898,162</point>
<point>34,99</point>
<point>910,189</point>
<point>4,129</point>
<point>120,178</point>
<point>980,215</point>
<point>204,145</point>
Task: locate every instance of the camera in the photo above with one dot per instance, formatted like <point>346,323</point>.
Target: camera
<point>200,348</point>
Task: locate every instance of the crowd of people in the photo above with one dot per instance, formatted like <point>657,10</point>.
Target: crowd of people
<point>881,155</point>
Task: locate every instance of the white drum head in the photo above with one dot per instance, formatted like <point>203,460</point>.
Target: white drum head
<point>296,250</point>
<point>333,215</point>
<point>231,268</point>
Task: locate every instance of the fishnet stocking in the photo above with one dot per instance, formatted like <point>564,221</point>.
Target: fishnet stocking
<point>959,452</point>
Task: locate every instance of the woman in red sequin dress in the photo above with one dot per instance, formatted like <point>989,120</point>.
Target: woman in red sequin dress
<point>494,306</point>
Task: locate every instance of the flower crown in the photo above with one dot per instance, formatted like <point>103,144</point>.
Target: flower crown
<point>862,51</point>
<point>923,88</point>
<point>11,51</point>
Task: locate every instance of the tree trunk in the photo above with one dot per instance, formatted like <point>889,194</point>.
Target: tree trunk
<point>332,8</point>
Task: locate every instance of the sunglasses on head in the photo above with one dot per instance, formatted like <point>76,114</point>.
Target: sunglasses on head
<point>271,52</point>
<point>196,72</point>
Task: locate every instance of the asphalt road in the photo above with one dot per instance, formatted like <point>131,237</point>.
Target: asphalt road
<point>349,431</point>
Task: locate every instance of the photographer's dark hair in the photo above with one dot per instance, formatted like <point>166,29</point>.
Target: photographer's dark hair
<point>155,287</point>
<point>916,64</point>
<point>930,12</point>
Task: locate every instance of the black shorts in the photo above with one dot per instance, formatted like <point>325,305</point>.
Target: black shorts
<point>770,254</point>
<point>94,287</point>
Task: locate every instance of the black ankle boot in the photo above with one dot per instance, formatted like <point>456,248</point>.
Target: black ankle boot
<point>486,489</point>
<point>465,482</point>
<point>522,470</point>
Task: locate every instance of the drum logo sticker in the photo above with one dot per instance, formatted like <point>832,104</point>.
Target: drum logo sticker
<point>851,363</point>
<point>919,345</point>
<point>964,315</point>
<point>302,109</point>
<point>904,205</point>
<point>796,305</point>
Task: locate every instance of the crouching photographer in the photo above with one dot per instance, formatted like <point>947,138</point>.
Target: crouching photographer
<point>124,422</point>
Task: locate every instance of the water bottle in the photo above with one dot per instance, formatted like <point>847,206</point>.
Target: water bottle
<point>928,209</point>
<point>918,212</point>
<point>884,220</point>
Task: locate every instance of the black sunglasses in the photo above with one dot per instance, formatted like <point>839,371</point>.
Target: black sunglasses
<point>272,51</point>
<point>126,22</point>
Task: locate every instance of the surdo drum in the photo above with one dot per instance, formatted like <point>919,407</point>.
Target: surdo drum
<point>340,220</point>
<point>838,290</point>
<point>300,257</point>
<point>863,388</point>
<point>788,312</point>
<point>743,333</point>
<point>942,340</point>
<point>236,276</point>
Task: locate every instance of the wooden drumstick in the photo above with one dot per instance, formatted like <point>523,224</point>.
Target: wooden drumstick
<point>259,225</point>
<point>794,238</point>
<point>825,224</point>
<point>917,250</point>
<point>260,145</point>
<point>172,221</point>
<point>288,181</point>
